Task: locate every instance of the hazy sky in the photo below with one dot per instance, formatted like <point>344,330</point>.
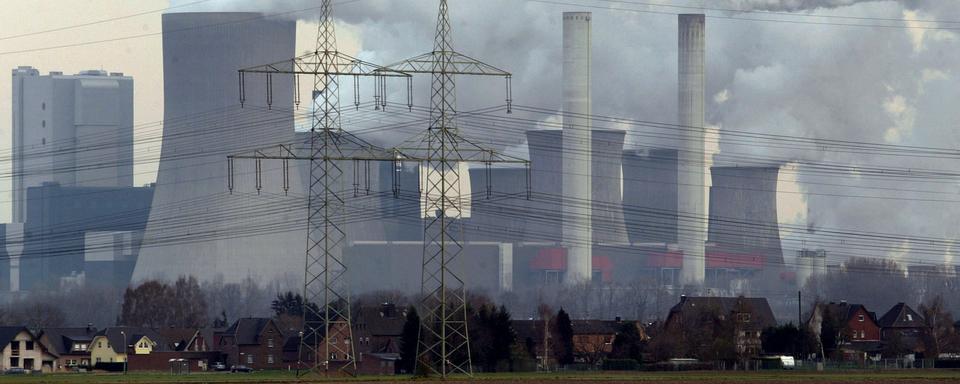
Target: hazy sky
<point>801,76</point>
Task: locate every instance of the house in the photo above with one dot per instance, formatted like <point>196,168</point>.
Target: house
<point>117,344</point>
<point>186,339</point>
<point>377,333</point>
<point>747,317</point>
<point>902,329</point>
<point>593,339</point>
<point>533,335</point>
<point>858,333</point>
<point>254,342</point>
<point>22,349</point>
<point>71,345</point>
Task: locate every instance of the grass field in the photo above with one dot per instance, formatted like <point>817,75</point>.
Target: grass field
<point>906,376</point>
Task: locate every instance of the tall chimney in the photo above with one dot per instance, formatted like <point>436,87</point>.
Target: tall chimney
<point>577,187</point>
<point>691,172</point>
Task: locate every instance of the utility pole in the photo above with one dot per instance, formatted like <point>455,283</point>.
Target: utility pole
<point>444,343</point>
<point>326,342</point>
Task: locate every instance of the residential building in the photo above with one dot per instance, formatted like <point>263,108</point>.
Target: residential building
<point>254,342</point>
<point>749,316</point>
<point>859,332</point>
<point>117,344</point>
<point>22,349</point>
<point>377,333</point>
<point>593,339</point>
<point>70,345</point>
<point>903,329</point>
<point>187,339</point>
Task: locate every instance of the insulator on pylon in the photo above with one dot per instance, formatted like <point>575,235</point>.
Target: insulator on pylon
<point>269,91</point>
<point>528,180</point>
<point>376,93</point>
<point>258,175</point>
<point>410,94</point>
<point>366,177</point>
<point>383,93</point>
<point>395,178</point>
<point>509,94</point>
<point>356,92</point>
<point>489,185</point>
<point>286,176</point>
<point>296,95</point>
<point>243,95</point>
<point>230,174</point>
<point>356,177</point>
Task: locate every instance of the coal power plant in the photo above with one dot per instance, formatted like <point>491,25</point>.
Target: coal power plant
<point>582,207</point>
<point>585,209</point>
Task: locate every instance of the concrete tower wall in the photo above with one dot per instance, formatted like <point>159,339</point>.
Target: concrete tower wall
<point>196,226</point>
<point>743,211</point>
<point>650,195</point>
<point>502,215</point>
<point>547,177</point>
<point>691,173</point>
<point>576,150</point>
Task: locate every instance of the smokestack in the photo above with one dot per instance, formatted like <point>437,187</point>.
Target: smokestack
<point>691,172</point>
<point>577,186</point>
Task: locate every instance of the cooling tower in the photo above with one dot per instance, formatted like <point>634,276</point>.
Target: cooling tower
<point>650,195</point>
<point>499,205</point>
<point>576,155</point>
<point>743,212</point>
<point>196,226</point>
<point>691,173</point>
<point>547,178</point>
<point>399,190</point>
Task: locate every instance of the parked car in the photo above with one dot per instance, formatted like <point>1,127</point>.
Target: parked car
<point>241,368</point>
<point>15,371</point>
<point>218,366</point>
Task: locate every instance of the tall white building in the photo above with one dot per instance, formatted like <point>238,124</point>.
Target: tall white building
<point>76,130</point>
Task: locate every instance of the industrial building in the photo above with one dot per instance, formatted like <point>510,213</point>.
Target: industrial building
<point>196,226</point>
<point>75,130</point>
<point>586,210</point>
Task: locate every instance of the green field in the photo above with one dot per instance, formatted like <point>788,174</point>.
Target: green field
<point>915,376</point>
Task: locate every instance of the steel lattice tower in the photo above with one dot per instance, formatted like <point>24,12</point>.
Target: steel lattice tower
<point>326,342</point>
<point>444,342</point>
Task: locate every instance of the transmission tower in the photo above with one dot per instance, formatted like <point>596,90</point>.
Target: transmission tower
<point>444,342</point>
<point>326,342</point>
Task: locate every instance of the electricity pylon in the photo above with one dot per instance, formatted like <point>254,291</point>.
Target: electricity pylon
<point>444,342</point>
<point>326,343</point>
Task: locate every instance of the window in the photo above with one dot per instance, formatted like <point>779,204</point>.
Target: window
<point>99,344</point>
<point>249,359</point>
<point>269,359</point>
<point>15,347</point>
<point>269,343</point>
<point>863,334</point>
<point>909,317</point>
<point>860,318</point>
<point>14,361</point>
<point>29,345</point>
<point>43,106</point>
<point>854,334</point>
<point>743,317</point>
<point>98,359</point>
<point>43,123</point>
